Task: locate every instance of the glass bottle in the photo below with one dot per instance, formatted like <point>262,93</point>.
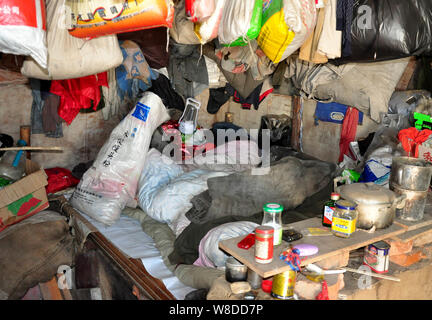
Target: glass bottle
<point>188,120</point>
<point>344,219</point>
<point>12,164</point>
<point>273,218</point>
<point>329,208</point>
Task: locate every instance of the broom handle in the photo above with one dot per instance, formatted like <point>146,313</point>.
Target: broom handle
<point>32,149</point>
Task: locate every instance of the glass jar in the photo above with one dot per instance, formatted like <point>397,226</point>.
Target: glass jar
<point>344,218</point>
<point>273,218</point>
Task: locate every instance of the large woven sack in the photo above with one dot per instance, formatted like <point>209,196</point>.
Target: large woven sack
<point>70,57</point>
<point>91,19</point>
<point>241,21</point>
<point>23,29</point>
<point>286,26</point>
<point>33,251</point>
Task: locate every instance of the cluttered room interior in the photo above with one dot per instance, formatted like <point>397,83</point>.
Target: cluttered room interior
<point>215,150</point>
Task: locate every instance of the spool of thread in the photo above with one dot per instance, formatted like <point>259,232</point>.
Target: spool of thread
<point>229,117</point>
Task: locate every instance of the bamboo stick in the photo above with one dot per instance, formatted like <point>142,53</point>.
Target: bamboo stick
<point>382,276</point>
<point>32,149</point>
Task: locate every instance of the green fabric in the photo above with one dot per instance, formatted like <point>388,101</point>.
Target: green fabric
<point>254,28</point>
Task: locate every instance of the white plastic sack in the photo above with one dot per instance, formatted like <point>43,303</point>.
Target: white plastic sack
<point>70,57</point>
<point>164,191</point>
<point>209,252</point>
<point>235,21</point>
<point>201,9</point>
<point>23,29</point>
<point>208,29</point>
<point>111,183</point>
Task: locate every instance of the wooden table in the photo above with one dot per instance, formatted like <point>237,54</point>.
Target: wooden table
<point>328,246</point>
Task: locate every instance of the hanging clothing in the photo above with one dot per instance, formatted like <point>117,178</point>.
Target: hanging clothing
<point>344,17</point>
<point>44,112</point>
<point>348,132</point>
<point>134,75</point>
<point>78,94</point>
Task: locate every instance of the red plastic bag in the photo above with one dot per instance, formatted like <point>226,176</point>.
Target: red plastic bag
<point>77,94</point>
<point>410,139</point>
<point>59,179</point>
<point>199,10</point>
<point>23,29</point>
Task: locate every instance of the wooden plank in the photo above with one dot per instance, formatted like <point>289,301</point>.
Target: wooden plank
<point>296,123</point>
<point>407,75</point>
<point>328,246</point>
<point>50,290</point>
<point>413,234</point>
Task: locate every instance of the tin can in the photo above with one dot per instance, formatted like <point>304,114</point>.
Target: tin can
<point>264,244</point>
<point>376,256</point>
<point>283,285</point>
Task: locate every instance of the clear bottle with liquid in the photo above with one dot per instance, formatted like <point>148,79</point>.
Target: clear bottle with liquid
<point>273,218</point>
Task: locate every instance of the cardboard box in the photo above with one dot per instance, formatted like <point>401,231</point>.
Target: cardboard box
<point>25,197</point>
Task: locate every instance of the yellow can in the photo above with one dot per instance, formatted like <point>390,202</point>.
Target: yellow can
<point>283,285</point>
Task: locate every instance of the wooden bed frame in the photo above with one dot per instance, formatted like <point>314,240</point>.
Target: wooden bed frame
<point>96,246</point>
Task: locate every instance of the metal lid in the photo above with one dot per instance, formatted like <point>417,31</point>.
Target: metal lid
<point>346,205</point>
<point>273,207</point>
<point>368,193</point>
<point>335,196</point>
<point>264,230</point>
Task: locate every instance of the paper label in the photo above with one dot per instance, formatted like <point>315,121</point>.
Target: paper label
<point>343,225</point>
<point>328,214</point>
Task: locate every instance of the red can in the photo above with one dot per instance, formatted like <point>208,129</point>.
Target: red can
<point>264,244</point>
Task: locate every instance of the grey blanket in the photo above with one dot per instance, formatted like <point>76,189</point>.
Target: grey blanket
<point>289,182</point>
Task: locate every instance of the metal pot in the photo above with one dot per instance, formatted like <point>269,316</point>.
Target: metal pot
<point>376,205</point>
<point>410,173</point>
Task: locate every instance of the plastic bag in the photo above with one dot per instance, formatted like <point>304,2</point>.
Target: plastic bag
<point>208,29</point>
<point>70,57</point>
<point>209,253</point>
<point>111,183</point>
<point>59,179</point>
<point>90,19</point>
<point>199,10</point>
<point>241,21</point>
<point>390,29</point>
<point>23,29</point>
<point>286,26</point>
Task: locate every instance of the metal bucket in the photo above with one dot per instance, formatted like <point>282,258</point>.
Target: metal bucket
<point>411,173</point>
<point>415,203</point>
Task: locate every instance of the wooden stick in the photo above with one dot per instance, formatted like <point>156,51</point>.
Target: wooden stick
<point>372,274</point>
<point>33,149</point>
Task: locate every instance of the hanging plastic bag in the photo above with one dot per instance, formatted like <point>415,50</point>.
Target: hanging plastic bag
<point>70,57</point>
<point>208,30</point>
<point>241,21</point>
<point>111,182</point>
<point>286,26</point>
<point>91,19</point>
<point>199,10</point>
<point>23,29</point>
